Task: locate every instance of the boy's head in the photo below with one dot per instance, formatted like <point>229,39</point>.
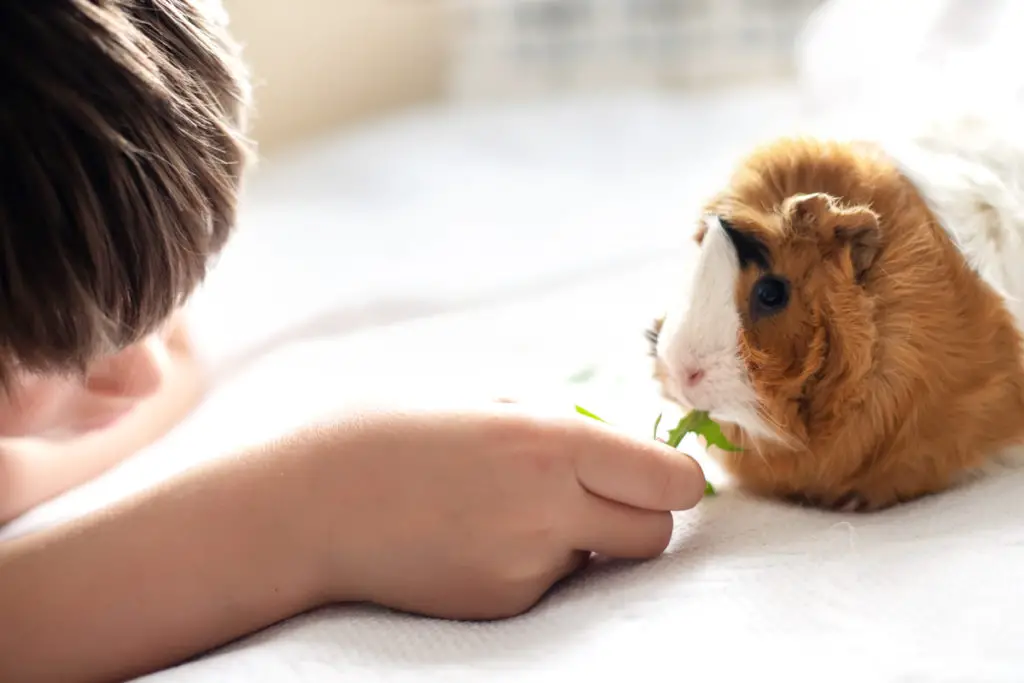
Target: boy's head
<point>122,147</point>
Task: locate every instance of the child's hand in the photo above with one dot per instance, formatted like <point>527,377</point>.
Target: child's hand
<point>451,514</point>
<point>476,515</point>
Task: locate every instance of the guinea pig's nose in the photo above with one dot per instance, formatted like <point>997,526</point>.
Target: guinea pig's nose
<point>692,376</point>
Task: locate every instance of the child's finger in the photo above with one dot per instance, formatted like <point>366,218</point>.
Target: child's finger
<point>616,530</point>
<point>640,473</point>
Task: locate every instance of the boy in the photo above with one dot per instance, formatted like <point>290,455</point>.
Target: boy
<point>122,138</point>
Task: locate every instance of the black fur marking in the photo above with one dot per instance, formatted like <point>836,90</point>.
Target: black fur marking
<point>751,251</point>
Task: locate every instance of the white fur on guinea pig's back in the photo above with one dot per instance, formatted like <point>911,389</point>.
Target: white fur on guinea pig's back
<point>970,170</point>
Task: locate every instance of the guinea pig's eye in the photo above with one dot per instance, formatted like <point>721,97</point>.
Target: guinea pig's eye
<point>769,296</point>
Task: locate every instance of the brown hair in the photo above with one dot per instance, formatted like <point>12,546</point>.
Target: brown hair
<point>895,371</point>
<point>123,146</point>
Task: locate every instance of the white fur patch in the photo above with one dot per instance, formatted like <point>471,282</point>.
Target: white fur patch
<point>702,334</point>
<point>970,171</point>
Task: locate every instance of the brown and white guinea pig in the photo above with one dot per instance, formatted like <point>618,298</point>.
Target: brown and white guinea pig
<point>854,321</point>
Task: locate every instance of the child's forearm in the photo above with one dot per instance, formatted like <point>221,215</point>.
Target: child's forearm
<point>205,559</point>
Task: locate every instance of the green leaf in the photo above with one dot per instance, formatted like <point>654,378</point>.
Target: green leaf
<point>712,433</point>
<point>695,422</point>
<point>700,423</point>
<point>583,375</point>
<point>689,423</point>
<point>587,413</point>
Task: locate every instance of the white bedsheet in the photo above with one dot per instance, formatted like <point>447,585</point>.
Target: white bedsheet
<point>748,589</point>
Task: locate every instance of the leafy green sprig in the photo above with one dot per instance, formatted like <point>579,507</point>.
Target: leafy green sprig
<point>695,422</point>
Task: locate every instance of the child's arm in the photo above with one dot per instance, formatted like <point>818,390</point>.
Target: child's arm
<point>465,515</point>
<point>212,556</point>
<point>32,472</point>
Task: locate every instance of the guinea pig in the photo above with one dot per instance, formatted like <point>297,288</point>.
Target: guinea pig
<point>854,321</point>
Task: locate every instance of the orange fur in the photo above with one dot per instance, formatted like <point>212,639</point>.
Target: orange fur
<point>895,370</point>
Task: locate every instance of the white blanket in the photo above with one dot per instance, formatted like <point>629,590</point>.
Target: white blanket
<point>748,589</point>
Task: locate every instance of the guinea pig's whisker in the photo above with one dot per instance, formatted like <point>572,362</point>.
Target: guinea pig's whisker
<point>777,429</point>
<point>764,459</point>
<point>651,334</point>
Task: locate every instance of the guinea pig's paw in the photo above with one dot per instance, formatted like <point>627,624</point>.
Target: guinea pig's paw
<point>860,501</point>
<point>851,501</point>
<point>847,502</point>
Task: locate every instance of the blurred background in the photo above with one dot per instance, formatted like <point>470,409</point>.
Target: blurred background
<point>324,63</point>
<point>466,199</point>
<point>321,64</point>
<point>423,160</point>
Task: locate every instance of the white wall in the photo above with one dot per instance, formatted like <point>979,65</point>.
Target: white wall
<point>321,63</point>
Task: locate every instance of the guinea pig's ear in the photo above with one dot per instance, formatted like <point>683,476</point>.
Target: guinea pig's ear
<point>809,213</point>
<point>849,228</point>
<point>860,235</point>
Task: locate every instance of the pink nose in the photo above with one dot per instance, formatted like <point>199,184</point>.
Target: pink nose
<point>693,376</point>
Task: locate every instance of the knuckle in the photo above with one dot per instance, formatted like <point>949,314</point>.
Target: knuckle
<point>524,578</point>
